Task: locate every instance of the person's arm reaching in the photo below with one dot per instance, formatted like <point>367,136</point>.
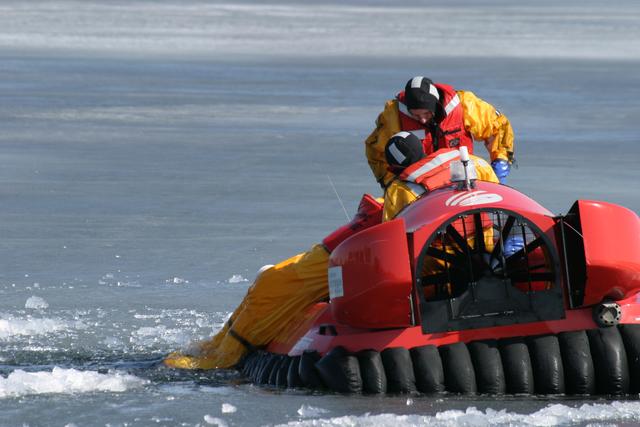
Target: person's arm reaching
<point>387,124</point>
<point>487,124</point>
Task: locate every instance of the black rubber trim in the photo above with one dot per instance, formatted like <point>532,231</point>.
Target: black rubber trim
<point>609,360</point>
<point>267,367</point>
<point>340,371</point>
<point>399,370</point>
<point>274,370</point>
<point>459,375</point>
<point>579,372</point>
<point>281,375</point>
<point>631,338</point>
<point>374,378</point>
<point>428,370</point>
<point>487,366</point>
<point>546,361</point>
<point>603,361</point>
<point>307,370</point>
<point>293,377</point>
<point>516,364</point>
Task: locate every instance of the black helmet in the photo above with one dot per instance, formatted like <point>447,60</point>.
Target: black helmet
<point>403,149</point>
<point>419,93</point>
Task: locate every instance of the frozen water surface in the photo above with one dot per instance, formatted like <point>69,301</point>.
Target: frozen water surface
<point>154,155</point>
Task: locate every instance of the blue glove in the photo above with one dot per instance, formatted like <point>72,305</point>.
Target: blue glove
<point>502,169</point>
<point>512,245</point>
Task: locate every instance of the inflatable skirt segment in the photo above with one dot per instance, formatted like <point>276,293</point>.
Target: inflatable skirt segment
<point>603,361</point>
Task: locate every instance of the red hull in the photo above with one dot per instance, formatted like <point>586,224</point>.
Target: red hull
<point>376,300</point>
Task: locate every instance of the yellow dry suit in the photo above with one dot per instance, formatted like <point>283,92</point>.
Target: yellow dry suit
<point>479,118</point>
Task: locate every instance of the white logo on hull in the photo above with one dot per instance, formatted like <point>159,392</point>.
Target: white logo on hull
<point>479,197</point>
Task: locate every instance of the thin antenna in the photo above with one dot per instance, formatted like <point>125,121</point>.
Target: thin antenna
<point>339,199</point>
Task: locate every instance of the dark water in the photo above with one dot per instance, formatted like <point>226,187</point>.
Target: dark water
<point>140,193</point>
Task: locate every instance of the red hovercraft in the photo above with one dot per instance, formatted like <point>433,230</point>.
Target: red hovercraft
<point>474,288</point>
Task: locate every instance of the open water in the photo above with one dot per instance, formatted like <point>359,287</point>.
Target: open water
<point>155,154</point>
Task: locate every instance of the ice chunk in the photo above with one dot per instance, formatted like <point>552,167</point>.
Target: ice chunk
<point>67,381</point>
<point>36,303</point>
<point>228,408</point>
<point>177,281</point>
<point>11,327</point>
<point>551,415</point>
<point>237,278</point>
<point>308,411</point>
<point>215,421</point>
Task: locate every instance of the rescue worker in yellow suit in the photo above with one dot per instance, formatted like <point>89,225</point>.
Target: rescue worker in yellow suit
<point>415,173</point>
<point>277,297</point>
<point>441,117</point>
